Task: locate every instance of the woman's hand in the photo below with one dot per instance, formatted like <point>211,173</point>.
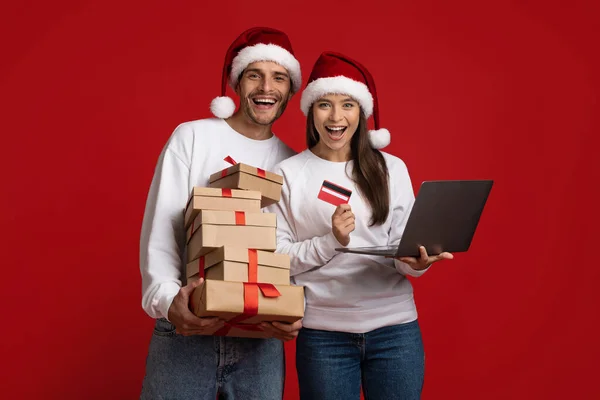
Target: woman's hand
<point>342,223</point>
<point>424,261</point>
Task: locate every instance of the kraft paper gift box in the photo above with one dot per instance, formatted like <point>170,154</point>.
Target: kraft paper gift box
<point>246,177</point>
<point>214,228</point>
<point>232,264</point>
<point>244,305</point>
<point>206,198</point>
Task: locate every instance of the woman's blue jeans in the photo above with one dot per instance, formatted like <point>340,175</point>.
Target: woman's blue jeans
<point>389,362</point>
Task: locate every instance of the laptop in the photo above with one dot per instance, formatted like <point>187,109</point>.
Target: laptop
<point>443,218</point>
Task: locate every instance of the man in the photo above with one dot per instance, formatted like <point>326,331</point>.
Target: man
<point>182,363</point>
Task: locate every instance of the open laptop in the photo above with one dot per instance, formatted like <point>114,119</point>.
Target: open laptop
<point>444,217</point>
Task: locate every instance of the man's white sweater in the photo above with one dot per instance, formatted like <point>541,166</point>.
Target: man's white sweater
<point>194,151</point>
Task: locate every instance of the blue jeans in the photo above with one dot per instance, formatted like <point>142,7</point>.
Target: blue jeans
<point>389,362</point>
<point>202,367</point>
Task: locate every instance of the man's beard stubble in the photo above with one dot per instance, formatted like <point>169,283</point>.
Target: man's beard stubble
<point>282,105</point>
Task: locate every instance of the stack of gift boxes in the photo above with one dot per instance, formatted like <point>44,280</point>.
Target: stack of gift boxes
<point>231,243</point>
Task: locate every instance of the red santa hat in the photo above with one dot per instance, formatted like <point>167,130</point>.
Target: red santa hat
<point>335,73</point>
<point>254,45</point>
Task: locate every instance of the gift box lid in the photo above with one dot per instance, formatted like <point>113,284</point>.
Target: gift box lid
<point>239,218</point>
<point>238,254</point>
<point>248,169</point>
<point>219,192</point>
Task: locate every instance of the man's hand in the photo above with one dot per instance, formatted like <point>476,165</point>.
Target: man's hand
<point>424,261</point>
<point>186,323</point>
<point>281,330</point>
<point>342,223</point>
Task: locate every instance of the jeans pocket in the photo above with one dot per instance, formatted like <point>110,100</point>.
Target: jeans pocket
<point>162,327</point>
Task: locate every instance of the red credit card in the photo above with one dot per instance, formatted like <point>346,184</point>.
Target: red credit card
<point>334,194</point>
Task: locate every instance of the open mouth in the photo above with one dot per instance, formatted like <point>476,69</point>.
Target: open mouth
<point>336,132</point>
<point>264,103</point>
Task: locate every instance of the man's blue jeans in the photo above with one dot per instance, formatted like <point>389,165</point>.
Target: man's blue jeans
<point>198,367</point>
<point>389,362</point>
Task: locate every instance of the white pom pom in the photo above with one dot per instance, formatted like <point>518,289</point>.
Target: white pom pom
<point>379,138</point>
<point>222,107</point>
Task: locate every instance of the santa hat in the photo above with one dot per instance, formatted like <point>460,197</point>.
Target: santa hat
<point>335,73</point>
<point>254,45</point>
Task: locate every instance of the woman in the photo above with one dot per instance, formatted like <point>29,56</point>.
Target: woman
<point>360,323</point>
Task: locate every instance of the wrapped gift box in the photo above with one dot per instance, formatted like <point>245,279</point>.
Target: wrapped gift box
<point>203,198</point>
<point>212,229</point>
<point>246,177</point>
<point>229,301</point>
<point>233,264</point>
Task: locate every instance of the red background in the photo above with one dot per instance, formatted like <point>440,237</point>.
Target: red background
<point>92,90</point>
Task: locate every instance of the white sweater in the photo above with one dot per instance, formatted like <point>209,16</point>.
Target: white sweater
<point>344,292</point>
<point>194,151</point>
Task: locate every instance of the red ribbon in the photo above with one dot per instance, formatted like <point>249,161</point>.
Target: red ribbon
<point>252,265</point>
<point>240,218</point>
<point>201,266</point>
<point>261,172</point>
<point>225,192</point>
<point>230,160</point>
<point>251,289</point>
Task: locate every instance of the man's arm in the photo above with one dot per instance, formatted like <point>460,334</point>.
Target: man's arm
<point>163,239</point>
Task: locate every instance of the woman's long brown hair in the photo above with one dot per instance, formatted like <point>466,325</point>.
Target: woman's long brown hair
<point>370,172</point>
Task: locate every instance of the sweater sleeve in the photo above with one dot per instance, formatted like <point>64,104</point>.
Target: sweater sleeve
<point>304,255</point>
<point>402,198</point>
<point>163,238</point>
